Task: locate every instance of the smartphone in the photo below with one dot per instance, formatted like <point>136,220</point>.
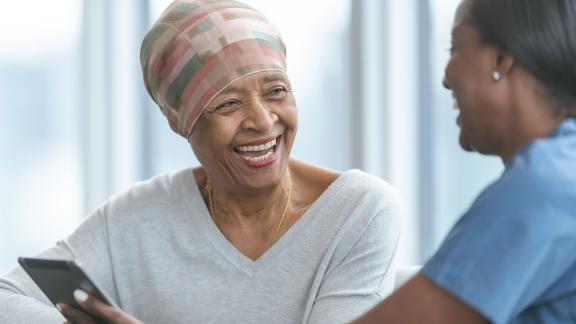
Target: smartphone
<point>59,278</point>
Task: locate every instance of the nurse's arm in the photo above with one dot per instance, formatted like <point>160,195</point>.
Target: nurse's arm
<point>421,301</point>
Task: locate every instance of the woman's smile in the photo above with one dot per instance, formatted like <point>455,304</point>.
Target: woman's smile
<point>260,153</point>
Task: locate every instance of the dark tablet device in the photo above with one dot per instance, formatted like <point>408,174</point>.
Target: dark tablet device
<point>59,278</point>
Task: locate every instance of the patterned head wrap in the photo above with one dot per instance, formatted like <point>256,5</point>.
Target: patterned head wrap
<point>199,47</point>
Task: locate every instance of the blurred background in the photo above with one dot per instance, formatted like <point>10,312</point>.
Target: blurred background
<point>76,124</point>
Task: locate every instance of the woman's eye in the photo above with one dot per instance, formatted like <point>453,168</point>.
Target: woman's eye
<point>277,93</point>
<point>228,105</point>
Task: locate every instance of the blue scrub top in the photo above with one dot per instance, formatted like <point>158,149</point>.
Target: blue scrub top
<point>512,256</point>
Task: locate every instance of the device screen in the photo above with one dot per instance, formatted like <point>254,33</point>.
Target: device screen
<point>59,278</point>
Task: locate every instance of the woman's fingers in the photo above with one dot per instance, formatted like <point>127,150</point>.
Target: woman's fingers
<point>74,315</point>
<point>94,306</point>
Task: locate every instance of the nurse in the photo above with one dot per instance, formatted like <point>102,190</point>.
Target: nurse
<point>511,257</point>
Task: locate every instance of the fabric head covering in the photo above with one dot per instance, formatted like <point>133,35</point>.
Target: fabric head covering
<point>198,47</point>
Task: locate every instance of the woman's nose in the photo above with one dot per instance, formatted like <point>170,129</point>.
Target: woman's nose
<point>259,117</point>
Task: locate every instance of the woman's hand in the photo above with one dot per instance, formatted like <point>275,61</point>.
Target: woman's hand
<point>95,307</point>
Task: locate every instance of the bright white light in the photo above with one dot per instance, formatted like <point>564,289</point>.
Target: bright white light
<point>33,28</point>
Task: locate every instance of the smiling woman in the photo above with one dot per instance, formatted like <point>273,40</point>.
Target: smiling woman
<point>249,236</point>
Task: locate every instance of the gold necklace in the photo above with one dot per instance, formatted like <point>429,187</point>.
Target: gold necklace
<point>212,214</point>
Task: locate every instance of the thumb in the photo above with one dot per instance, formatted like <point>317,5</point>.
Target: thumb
<point>96,307</point>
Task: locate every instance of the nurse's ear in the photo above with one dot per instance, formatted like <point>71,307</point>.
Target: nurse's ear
<point>503,63</point>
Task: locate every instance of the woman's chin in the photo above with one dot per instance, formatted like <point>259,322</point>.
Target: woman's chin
<point>260,176</point>
<point>465,143</point>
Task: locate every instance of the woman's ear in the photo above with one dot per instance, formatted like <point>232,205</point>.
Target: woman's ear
<point>504,63</point>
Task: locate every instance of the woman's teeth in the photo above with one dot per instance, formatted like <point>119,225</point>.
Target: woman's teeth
<point>257,153</point>
<point>257,148</point>
<point>259,158</point>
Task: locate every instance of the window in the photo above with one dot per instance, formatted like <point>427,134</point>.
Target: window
<point>407,132</point>
<point>40,171</point>
<point>458,176</point>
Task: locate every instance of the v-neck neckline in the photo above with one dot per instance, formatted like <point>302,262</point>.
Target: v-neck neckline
<point>203,220</point>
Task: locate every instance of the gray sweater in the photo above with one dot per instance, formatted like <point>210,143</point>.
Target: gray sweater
<point>155,250</point>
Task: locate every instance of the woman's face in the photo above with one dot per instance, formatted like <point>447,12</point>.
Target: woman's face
<point>483,118</point>
<point>244,137</point>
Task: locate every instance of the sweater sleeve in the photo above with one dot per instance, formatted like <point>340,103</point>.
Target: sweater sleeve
<point>21,301</point>
<point>366,274</point>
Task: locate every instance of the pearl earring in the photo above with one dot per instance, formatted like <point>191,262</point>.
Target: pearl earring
<point>496,75</point>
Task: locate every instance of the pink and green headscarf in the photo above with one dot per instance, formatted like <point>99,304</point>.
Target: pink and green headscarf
<point>199,47</point>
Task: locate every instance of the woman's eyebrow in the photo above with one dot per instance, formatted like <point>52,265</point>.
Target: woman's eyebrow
<point>228,89</point>
<point>274,78</point>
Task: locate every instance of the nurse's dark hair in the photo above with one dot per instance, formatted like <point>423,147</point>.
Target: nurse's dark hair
<point>540,35</point>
